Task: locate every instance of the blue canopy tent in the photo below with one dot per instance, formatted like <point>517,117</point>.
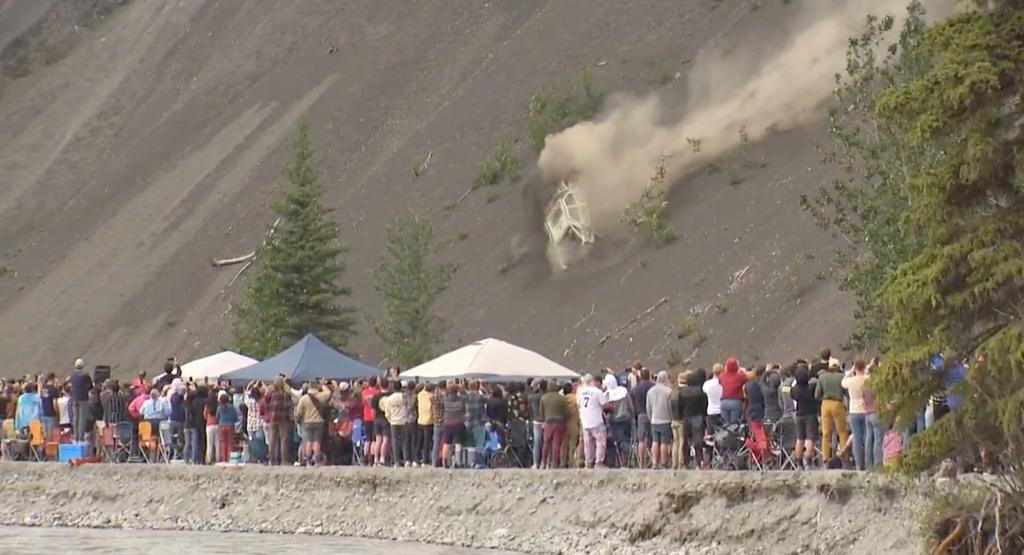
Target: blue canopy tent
<point>308,359</point>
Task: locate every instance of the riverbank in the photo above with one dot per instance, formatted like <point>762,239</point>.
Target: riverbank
<point>527,511</point>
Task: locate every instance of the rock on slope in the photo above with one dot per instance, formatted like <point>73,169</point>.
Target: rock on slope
<point>152,139</point>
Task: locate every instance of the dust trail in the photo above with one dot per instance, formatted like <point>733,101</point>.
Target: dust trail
<point>612,158</point>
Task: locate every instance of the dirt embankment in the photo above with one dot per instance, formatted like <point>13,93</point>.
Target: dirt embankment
<point>536,512</point>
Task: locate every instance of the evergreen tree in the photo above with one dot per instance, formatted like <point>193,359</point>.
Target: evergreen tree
<point>936,206</point>
<point>410,285</point>
<point>296,289</point>
<point>963,288</point>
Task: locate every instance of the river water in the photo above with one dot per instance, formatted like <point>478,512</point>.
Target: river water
<point>150,542</point>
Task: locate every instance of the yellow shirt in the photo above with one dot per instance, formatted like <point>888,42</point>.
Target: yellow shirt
<point>424,416</point>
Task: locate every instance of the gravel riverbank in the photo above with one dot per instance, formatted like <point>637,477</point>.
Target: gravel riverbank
<point>639,512</point>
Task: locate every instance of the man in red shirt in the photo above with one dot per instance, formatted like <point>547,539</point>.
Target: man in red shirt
<point>732,380</point>
<point>370,447</point>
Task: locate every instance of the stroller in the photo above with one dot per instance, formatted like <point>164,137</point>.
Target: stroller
<point>515,451</point>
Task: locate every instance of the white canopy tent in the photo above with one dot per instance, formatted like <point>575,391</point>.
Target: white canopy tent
<point>214,366</point>
<point>490,360</point>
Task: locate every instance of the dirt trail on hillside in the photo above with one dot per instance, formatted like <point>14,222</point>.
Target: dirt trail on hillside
<point>607,512</point>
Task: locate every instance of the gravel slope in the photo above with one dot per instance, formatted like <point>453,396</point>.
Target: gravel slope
<point>537,512</point>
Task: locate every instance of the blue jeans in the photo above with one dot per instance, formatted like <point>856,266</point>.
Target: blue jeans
<point>732,409</point>
<point>858,422</point>
<point>49,423</point>
<point>192,446</point>
<point>538,439</point>
<point>435,448</point>
<point>873,441</point>
<point>622,437</point>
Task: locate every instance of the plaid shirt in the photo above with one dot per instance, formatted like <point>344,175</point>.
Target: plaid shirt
<point>437,408</point>
<point>279,407</point>
<point>253,422</point>
<point>115,408</point>
<point>474,408</point>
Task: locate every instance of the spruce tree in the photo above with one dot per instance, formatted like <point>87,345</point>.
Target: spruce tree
<point>297,287</point>
<point>937,209</point>
<point>410,285</point>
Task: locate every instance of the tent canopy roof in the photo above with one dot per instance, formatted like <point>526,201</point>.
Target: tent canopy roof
<point>213,366</point>
<point>491,360</point>
<point>309,358</point>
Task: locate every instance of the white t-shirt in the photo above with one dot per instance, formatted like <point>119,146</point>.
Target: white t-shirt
<point>590,399</point>
<point>713,389</point>
<point>62,408</point>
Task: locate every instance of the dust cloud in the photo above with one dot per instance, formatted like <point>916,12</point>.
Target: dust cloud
<point>732,97</point>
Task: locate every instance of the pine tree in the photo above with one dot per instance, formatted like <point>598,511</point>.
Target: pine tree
<point>962,290</point>
<point>410,285</point>
<point>296,289</point>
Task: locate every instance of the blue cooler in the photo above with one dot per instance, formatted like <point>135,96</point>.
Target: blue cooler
<point>68,451</point>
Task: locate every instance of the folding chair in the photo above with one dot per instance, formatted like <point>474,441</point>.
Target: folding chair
<point>122,441</point>
<point>149,446</point>
<point>9,453</point>
<point>358,440</point>
<point>759,447</point>
<point>108,444</point>
<point>51,449</point>
<point>36,442</point>
<point>634,454</point>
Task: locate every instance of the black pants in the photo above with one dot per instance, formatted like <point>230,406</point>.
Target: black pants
<point>397,441</point>
<point>424,442</point>
<point>408,442</point>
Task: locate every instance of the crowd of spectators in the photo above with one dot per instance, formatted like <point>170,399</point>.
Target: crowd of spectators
<point>806,414</point>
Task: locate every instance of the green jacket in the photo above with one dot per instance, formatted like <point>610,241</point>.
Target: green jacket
<point>830,386</point>
<point>552,407</point>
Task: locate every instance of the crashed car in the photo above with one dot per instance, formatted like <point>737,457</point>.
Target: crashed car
<point>567,222</point>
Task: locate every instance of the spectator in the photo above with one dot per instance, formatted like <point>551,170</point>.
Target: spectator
<point>638,395</point>
<point>192,408</point>
<point>227,418</point>
<point>81,385</point>
<point>571,442</point>
<point>213,430</point>
<point>424,425</point>
<point>474,421</point>
<point>822,364</point>
<point>313,412</point>
<point>29,407</point>
<point>48,395</point>
<point>537,391</point>
<point>454,426</point>
<point>806,418</point>
<point>754,396</point>
<point>770,382</point>
<point>437,419</point>
<point>279,407</point>
<point>694,406</point>
<point>661,420</point>
<point>855,383</point>
<point>676,410</point>
<point>370,445</point>
<point>620,417</point>
<point>381,427</point>
<point>63,409</point>
<point>713,390</point>
<point>253,420</point>
<point>591,402</point>
<point>552,411</point>
<point>732,380</point>
<point>830,393</point>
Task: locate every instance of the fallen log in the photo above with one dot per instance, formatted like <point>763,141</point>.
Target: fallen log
<point>626,325</point>
<point>245,258</point>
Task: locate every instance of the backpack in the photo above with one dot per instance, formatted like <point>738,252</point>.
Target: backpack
<point>323,410</point>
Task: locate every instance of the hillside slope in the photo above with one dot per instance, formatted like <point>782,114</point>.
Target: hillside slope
<point>153,139</point>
